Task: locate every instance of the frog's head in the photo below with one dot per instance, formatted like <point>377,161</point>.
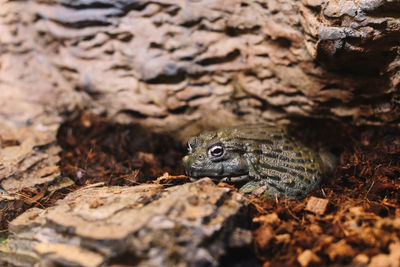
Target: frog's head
<point>208,155</point>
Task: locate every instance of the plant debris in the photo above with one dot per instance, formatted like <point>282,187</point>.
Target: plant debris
<point>361,223</point>
<point>353,219</point>
<point>317,205</point>
<point>94,150</point>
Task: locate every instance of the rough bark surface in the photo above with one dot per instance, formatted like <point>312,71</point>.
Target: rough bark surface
<point>29,157</point>
<point>172,64</point>
<point>359,42</point>
<point>145,225</point>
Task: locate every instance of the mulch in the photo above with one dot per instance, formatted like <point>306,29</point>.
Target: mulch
<point>352,219</point>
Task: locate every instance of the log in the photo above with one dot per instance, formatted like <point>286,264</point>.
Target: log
<point>146,225</point>
<point>182,66</point>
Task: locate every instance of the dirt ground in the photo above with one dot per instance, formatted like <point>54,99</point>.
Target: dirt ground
<point>354,218</point>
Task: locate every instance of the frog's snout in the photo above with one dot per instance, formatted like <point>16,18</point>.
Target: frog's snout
<point>191,167</point>
<point>185,161</point>
<point>186,164</point>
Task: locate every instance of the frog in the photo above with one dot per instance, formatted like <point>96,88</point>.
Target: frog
<point>259,158</point>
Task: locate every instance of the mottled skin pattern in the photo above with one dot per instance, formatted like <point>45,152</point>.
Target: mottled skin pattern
<point>261,157</point>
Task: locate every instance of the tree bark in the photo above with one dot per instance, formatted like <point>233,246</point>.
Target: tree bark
<point>145,225</point>
<point>183,65</point>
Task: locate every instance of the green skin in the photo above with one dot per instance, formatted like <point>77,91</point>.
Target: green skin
<point>262,157</point>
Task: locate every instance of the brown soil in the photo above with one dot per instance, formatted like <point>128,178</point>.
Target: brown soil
<point>359,225</point>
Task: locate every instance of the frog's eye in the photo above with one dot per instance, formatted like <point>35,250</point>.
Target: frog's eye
<point>216,151</point>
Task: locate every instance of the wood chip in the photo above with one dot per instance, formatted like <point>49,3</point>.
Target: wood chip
<point>361,259</point>
<point>339,250</point>
<point>307,257</point>
<point>317,205</point>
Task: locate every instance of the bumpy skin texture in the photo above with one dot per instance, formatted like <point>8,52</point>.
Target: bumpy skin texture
<point>263,157</point>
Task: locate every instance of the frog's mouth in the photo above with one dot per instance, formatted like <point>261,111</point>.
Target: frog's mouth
<point>218,173</point>
<point>226,179</point>
<point>235,179</point>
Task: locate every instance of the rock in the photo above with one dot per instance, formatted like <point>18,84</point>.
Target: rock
<point>190,224</point>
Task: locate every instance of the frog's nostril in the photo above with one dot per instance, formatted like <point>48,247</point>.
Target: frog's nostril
<point>200,157</point>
